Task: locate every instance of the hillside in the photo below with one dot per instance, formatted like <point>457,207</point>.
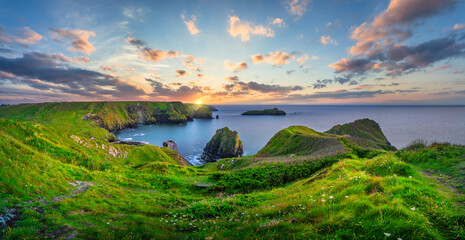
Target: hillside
<point>58,183</point>
<point>303,141</point>
<point>112,116</point>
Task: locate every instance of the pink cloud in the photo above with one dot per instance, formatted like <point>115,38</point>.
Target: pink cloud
<point>235,67</point>
<point>277,58</point>
<point>190,24</point>
<point>393,23</point>
<point>257,58</point>
<point>327,40</point>
<point>79,38</point>
<point>25,36</point>
<point>245,29</point>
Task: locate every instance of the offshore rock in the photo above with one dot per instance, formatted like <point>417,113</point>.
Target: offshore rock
<point>224,144</point>
<point>171,144</point>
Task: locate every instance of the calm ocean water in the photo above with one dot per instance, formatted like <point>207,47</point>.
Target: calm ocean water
<point>400,124</point>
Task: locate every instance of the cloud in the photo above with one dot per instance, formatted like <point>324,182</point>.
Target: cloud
<point>296,7</point>
<point>134,13</point>
<point>184,93</point>
<point>327,40</point>
<point>289,72</point>
<point>322,83</point>
<point>458,27</point>
<point>237,67</point>
<point>302,59</point>
<point>148,53</point>
<point>339,94</point>
<point>278,22</point>
<point>257,58</point>
<point>181,73</point>
<point>24,37</point>
<point>277,58</point>
<point>199,75</point>
<point>398,59</point>
<point>190,24</point>
<point>192,62</point>
<point>352,65</point>
<point>245,29</point>
<point>78,37</point>
<point>314,58</point>
<point>393,24</point>
<point>232,79</point>
<point>261,87</point>
<point>43,72</point>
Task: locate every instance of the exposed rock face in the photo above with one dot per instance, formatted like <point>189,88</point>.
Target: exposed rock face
<point>115,116</point>
<point>224,144</point>
<point>171,144</point>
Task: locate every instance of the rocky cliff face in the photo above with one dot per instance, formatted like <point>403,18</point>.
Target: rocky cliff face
<point>224,144</point>
<point>115,116</point>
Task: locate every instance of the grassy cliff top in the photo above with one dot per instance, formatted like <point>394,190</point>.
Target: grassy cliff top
<point>362,128</point>
<point>79,118</point>
<point>301,140</point>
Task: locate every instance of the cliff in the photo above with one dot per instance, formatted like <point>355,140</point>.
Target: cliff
<point>364,129</point>
<point>359,137</point>
<point>112,116</point>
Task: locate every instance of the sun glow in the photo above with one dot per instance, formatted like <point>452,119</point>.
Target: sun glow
<point>198,102</point>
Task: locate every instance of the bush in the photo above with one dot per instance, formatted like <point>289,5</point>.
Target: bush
<point>249,179</point>
<point>416,145</point>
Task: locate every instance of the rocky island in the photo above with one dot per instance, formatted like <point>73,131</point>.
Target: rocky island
<point>273,111</point>
<point>224,144</point>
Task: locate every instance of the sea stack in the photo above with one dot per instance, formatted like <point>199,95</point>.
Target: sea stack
<point>171,144</point>
<point>224,144</point>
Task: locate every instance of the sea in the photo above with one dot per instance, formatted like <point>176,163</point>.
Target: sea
<point>400,124</point>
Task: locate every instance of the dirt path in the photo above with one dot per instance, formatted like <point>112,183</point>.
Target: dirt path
<point>81,187</point>
<point>12,215</point>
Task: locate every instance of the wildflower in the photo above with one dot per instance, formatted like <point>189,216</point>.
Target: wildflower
<point>409,176</point>
<point>413,209</point>
<point>330,196</point>
<point>323,200</point>
<point>387,234</point>
<point>347,196</point>
<point>108,222</point>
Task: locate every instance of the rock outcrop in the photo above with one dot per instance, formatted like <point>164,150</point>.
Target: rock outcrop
<point>362,128</point>
<point>115,116</point>
<point>224,144</point>
<point>274,111</point>
<point>171,144</point>
<point>359,137</point>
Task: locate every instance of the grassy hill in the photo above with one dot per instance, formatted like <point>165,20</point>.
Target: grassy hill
<point>58,183</point>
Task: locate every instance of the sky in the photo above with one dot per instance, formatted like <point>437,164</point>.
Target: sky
<point>234,52</point>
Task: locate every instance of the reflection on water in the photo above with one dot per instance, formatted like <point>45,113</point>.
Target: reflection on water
<point>400,124</point>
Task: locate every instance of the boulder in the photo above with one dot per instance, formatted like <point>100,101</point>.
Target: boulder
<point>224,144</point>
<point>171,144</point>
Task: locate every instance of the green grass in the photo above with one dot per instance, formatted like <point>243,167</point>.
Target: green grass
<point>146,192</point>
